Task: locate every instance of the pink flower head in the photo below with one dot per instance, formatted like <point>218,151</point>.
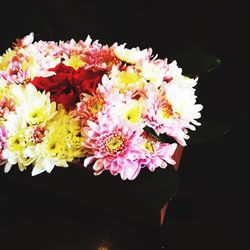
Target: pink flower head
<point>162,118</point>
<point>157,154</point>
<point>14,73</point>
<point>115,146</point>
<point>3,140</point>
<point>88,107</point>
<point>102,57</point>
<point>72,47</point>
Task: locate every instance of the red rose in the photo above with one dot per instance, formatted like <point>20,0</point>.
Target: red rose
<point>86,80</point>
<point>66,86</point>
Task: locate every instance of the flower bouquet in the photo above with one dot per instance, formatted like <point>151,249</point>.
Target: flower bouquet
<point>107,108</point>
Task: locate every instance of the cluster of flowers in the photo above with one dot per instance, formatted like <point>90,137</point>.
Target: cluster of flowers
<point>65,101</point>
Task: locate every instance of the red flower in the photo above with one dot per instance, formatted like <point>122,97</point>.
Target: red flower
<point>86,80</point>
<point>67,84</point>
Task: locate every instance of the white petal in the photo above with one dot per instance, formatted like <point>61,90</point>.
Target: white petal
<point>37,171</point>
<point>88,161</point>
<point>7,167</point>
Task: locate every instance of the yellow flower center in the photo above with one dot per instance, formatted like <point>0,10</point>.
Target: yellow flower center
<point>127,78</point>
<point>17,142</point>
<point>53,148</point>
<point>149,146</point>
<point>35,116</point>
<point>133,115</point>
<point>114,143</point>
<point>75,61</point>
<point>96,106</point>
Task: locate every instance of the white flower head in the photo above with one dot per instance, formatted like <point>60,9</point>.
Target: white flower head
<point>133,55</point>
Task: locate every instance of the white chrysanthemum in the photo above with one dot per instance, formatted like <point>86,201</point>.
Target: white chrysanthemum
<point>154,71</point>
<point>16,142</point>
<point>183,102</point>
<point>37,63</point>
<point>175,74</point>
<point>35,107</point>
<point>133,55</point>
<point>131,111</point>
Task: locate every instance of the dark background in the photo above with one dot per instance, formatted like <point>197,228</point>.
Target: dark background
<point>211,207</point>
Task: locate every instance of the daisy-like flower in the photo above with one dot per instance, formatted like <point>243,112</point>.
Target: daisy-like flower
<point>88,108</point>
<point>100,56</point>
<point>157,154</point>
<point>16,144</point>
<point>181,94</point>
<point>58,143</point>
<point>130,110</point>
<point>71,47</point>
<point>14,73</point>
<point>161,116</point>
<point>37,108</point>
<point>154,71</point>
<point>127,80</point>
<point>132,56</point>
<point>183,102</point>
<point>115,146</point>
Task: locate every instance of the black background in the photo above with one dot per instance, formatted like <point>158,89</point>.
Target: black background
<point>211,208</point>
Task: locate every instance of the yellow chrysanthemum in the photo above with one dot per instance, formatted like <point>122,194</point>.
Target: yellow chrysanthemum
<point>63,140</point>
<point>17,142</point>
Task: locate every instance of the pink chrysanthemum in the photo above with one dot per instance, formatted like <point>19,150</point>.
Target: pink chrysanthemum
<point>162,118</point>
<point>115,146</point>
<point>102,57</point>
<point>88,108</point>
<point>14,73</point>
<point>157,154</point>
<point>3,140</point>
<point>72,47</point>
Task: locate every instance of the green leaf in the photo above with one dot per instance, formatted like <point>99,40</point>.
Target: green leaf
<point>208,131</point>
<point>195,60</point>
<point>160,137</point>
<point>210,62</point>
